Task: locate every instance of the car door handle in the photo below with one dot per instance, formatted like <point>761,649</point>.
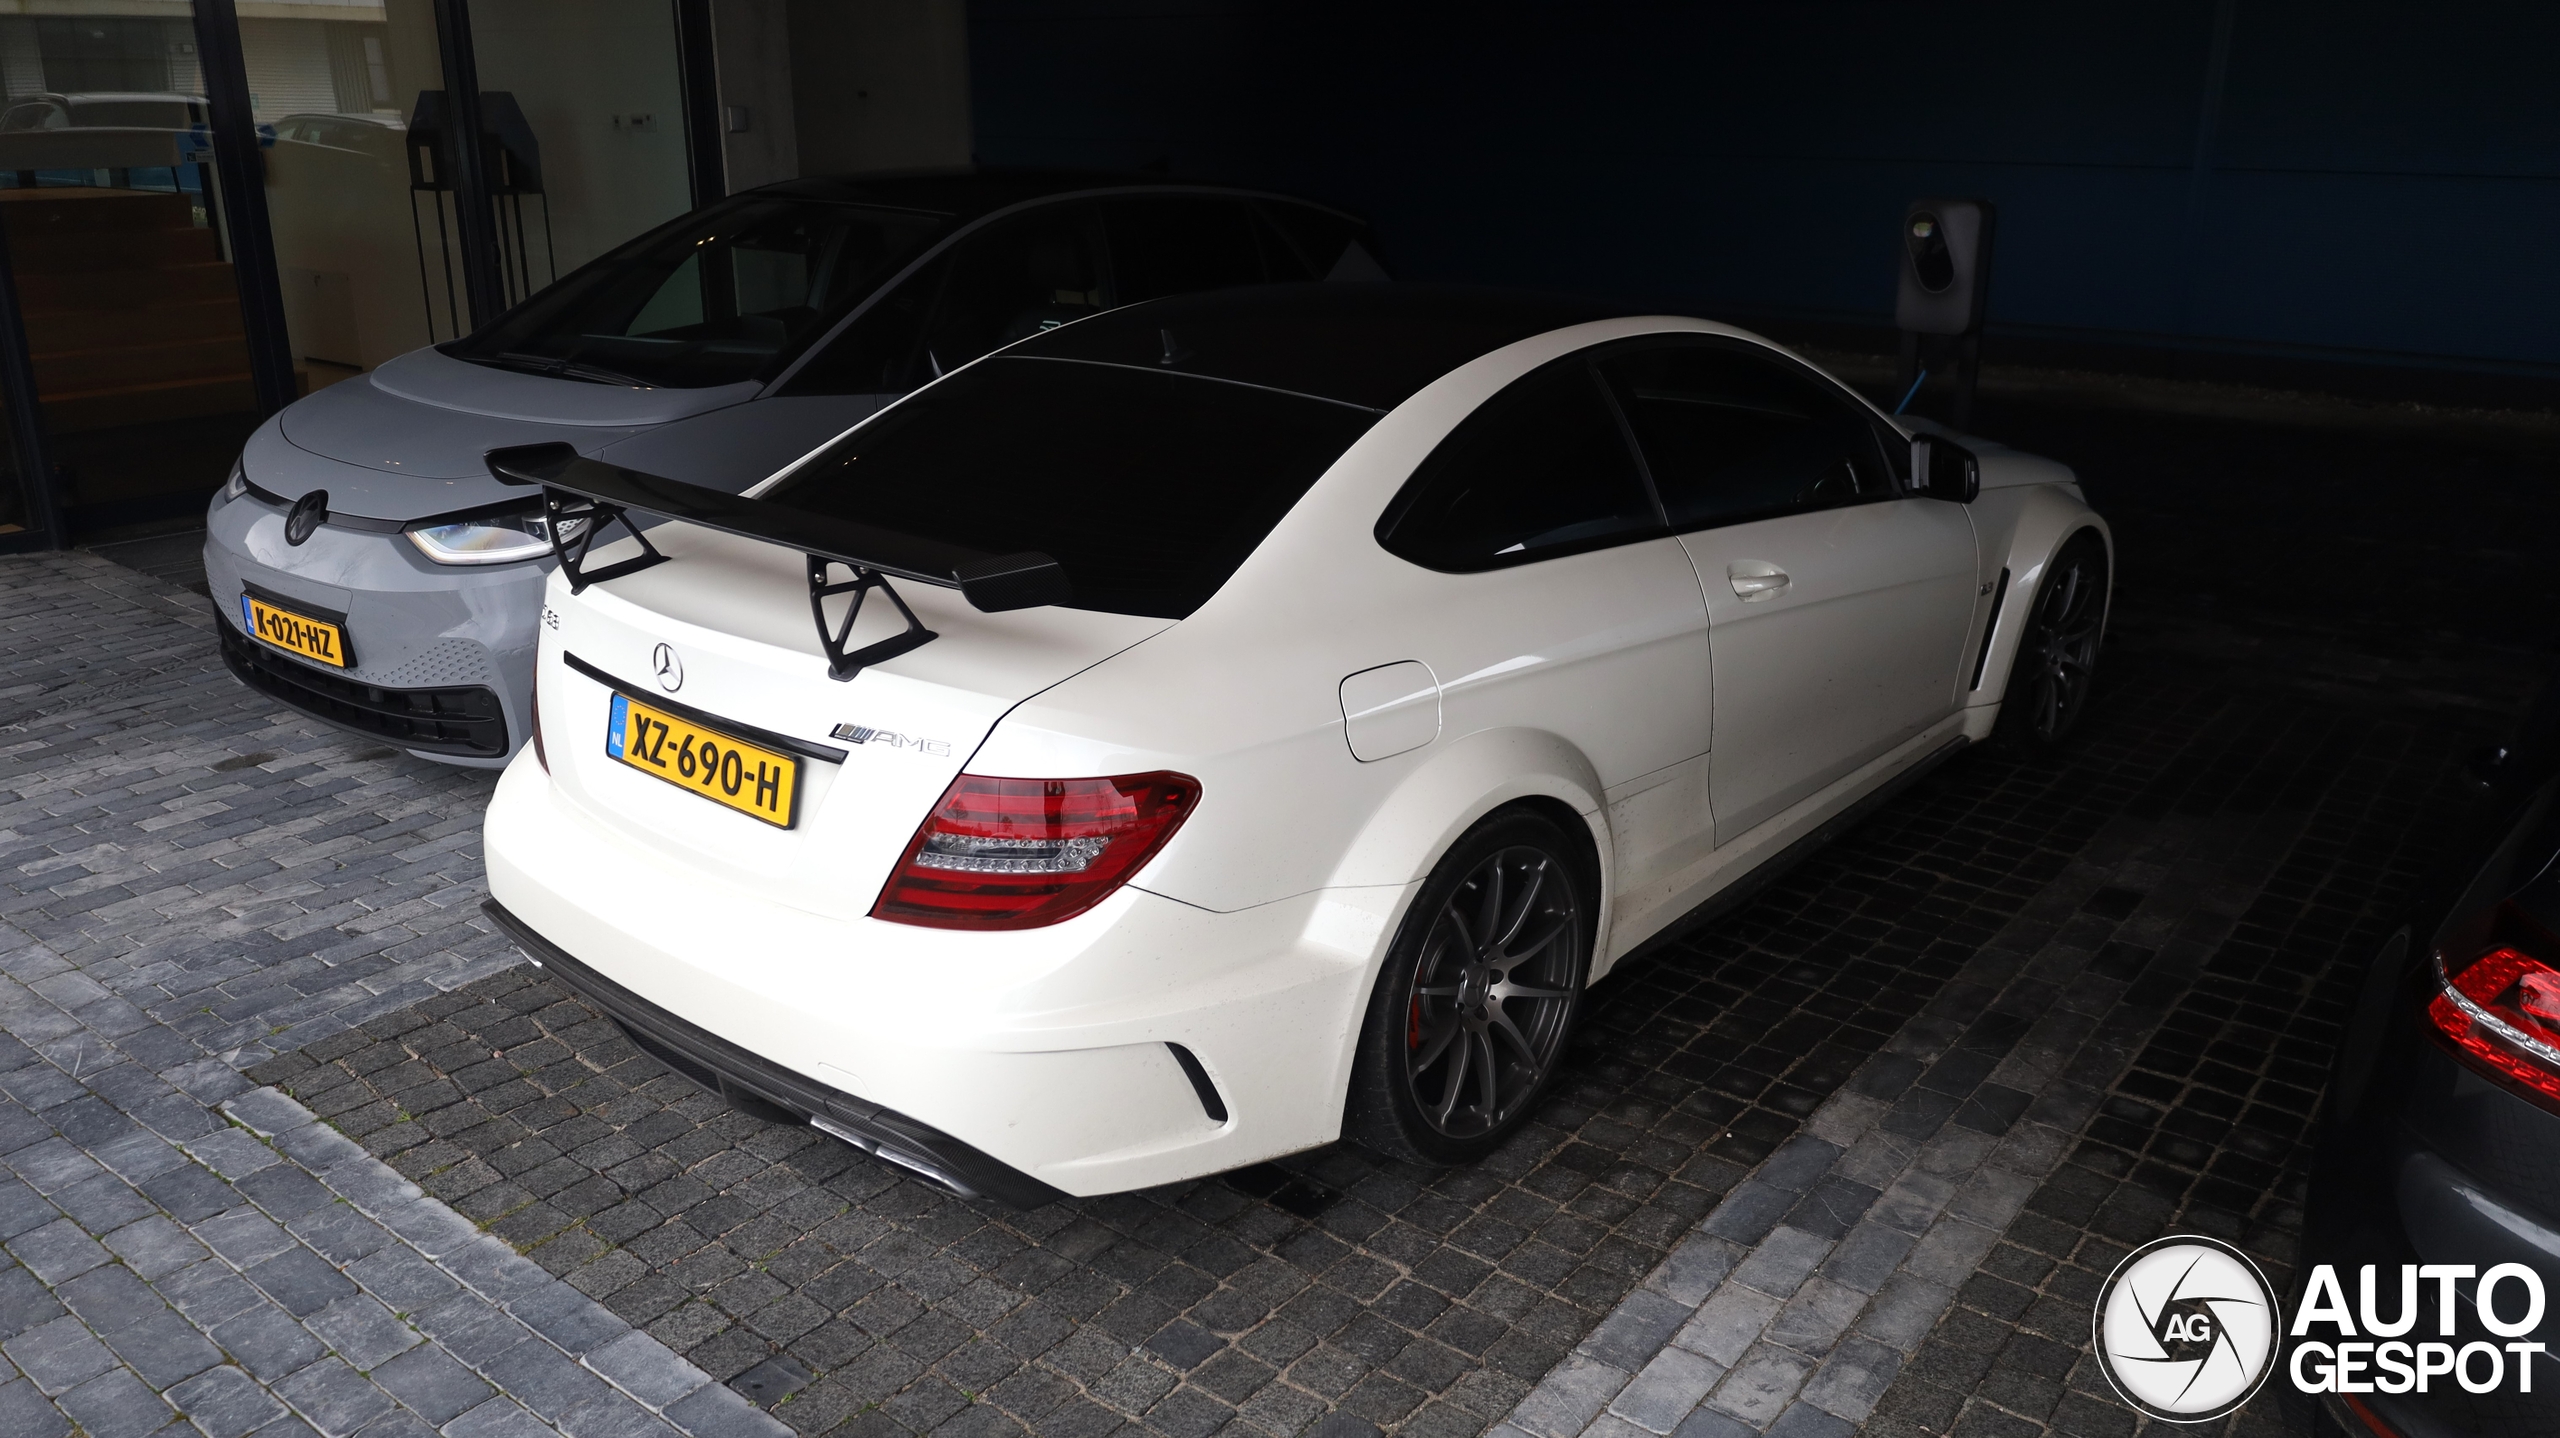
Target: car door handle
<point>1754,579</point>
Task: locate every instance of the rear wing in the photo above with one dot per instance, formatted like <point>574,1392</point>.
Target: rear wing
<point>581,497</point>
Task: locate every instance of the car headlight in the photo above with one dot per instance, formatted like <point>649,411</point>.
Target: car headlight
<point>238,484</point>
<point>489,539</point>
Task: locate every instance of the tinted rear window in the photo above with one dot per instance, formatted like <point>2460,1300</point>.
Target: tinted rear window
<point>1148,487</point>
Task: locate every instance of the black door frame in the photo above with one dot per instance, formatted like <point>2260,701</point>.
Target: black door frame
<point>240,173</point>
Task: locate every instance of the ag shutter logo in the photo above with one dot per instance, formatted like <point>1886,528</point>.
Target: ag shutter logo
<point>2186,1329</point>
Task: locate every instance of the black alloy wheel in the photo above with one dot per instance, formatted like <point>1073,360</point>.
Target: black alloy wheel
<point>2050,679</point>
<point>1477,1001</point>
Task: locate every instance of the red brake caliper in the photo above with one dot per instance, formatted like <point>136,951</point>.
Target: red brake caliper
<point>1413,1025</point>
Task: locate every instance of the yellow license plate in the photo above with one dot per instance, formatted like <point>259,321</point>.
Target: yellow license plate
<point>295,633</point>
<point>727,770</point>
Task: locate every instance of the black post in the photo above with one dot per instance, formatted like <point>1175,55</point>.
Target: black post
<point>26,414</point>
<point>699,73</point>
<point>241,173</point>
<point>474,214</point>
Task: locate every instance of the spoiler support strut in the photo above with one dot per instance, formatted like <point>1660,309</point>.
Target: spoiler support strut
<point>591,495</point>
<point>840,664</point>
<point>565,509</point>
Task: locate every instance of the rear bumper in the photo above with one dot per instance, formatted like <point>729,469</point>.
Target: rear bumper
<point>1056,1053</point>
<point>2439,1166</point>
<point>714,1062</point>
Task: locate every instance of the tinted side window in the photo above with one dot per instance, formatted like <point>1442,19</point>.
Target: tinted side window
<point>1542,470</point>
<point>1172,245</point>
<point>1319,238</point>
<point>883,351</point>
<point>1031,273</point>
<point>1730,435</point>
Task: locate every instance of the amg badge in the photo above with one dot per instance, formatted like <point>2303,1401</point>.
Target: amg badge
<point>860,734</point>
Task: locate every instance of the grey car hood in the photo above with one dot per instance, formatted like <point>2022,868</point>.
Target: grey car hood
<point>407,440</point>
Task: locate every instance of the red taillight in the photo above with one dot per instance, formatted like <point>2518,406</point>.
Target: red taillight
<point>2502,1015</point>
<point>1020,853</point>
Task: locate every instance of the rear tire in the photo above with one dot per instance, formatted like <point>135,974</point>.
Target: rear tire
<point>1477,1000</point>
<point>2057,659</point>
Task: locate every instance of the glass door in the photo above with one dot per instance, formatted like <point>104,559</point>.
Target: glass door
<point>363,251</point>
<point>125,281</point>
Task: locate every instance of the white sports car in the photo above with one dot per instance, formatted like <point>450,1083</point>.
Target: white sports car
<point>1237,722</point>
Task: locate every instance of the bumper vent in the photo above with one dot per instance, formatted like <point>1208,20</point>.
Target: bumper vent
<point>459,720</point>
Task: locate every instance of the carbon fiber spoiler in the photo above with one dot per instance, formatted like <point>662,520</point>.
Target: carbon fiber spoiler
<point>587,496</point>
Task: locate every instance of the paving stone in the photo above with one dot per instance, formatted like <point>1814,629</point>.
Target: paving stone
<point>1667,1390</point>
<point>360,1330</point>
<point>164,1349</point>
<point>60,1355</point>
<point>115,1404</point>
<point>265,1340</point>
<point>1760,1386</point>
<point>433,1382</point>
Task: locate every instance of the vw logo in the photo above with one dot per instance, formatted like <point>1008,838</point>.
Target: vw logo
<point>305,516</point>
<point>2186,1328</point>
<point>670,669</point>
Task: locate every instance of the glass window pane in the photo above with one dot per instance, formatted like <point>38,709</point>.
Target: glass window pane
<point>125,272</point>
<point>1012,281</point>
<point>362,259</point>
<point>729,294</point>
<point>1731,435</point>
<point>1541,470</point>
<point>602,126</point>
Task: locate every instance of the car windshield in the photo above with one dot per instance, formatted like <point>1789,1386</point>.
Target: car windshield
<point>732,293</point>
<point>1148,488</point>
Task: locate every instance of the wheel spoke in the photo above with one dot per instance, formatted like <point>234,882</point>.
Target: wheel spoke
<point>1514,954</point>
<point>1437,991</point>
<point>1458,921</point>
<point>1488,1073</point>
<point>1457,1075</point>
<point>1523,991</point>
<point>1501,941</point>
<point>1436,1043</point>
<point>1489,911</point>
<point>1503,1025</point>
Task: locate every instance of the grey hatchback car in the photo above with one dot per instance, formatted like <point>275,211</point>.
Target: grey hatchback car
<point>370,572</point>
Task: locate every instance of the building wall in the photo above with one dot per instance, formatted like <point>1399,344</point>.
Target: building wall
<point>2343,178</point>
<point>880,84</point>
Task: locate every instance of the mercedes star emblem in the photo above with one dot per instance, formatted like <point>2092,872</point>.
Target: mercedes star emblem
<point>670,669</point>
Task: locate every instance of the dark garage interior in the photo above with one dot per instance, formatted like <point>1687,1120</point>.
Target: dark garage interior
<point>1875,1142</point>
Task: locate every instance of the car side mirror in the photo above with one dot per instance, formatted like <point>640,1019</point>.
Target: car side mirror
<point>1942,469</point>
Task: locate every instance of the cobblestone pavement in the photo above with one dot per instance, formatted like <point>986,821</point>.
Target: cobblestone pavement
<point>188,882</point>
<point>1836,1159</point>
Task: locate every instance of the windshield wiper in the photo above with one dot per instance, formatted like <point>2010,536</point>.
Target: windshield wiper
<point>563,369</point>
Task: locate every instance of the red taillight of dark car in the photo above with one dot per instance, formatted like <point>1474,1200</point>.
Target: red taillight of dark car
<point>2501,1014</point>
<point>1021,853</point>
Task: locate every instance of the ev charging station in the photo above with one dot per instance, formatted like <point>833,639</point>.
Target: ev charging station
<point>1945,280</point>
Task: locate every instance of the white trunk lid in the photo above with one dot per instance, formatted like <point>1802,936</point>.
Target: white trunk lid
<point>734,614</point>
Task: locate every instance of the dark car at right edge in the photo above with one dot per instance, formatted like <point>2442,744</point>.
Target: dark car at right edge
<point>2438,1159</point>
